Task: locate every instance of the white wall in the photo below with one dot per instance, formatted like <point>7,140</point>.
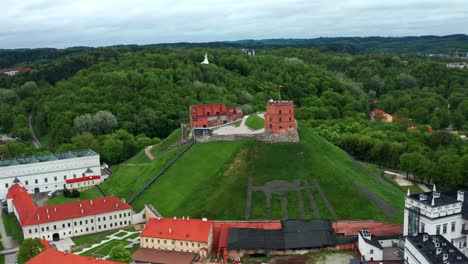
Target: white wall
<point>365,249</point>
<point>80,226</point>
<point>47,176</point>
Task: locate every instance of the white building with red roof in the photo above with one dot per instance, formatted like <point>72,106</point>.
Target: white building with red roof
<point>83,183</point>
<point>52,256</point>
<point>14,71</point>
<point>382,116</point>
<point>54,222</point>
<point>178,234</point>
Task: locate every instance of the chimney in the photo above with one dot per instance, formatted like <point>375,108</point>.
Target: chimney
<point>188,218</point>
<point>104,200</point>
<point>366,234</point>
<point>81,205</point>
<point>445,257</point>
<point>116,205</point>
<point>55,209</point>
<point>38,218</point>
<point>47,211</point>
<point>432,203</point>
<point>438,251</point>
<point>91,202</point>
<point>425,237</point>
<point>461,196</point>
<point>422,197</point>
<point>170,230</point>
<point>175,218</point>
<point>408,193</point>
<point>183,217</point>
<point>434,188</point>
<point>48,216</point>
<point>204,219</point>
<point>82,211</point>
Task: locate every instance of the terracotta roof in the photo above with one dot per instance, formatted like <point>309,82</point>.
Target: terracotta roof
<point>52,256</point>
<point>147,255</point>
<point>29,214</point>
<point>379,112</point>
<point>179,229</point>
<point>45,243</point>
<point>82,179</point>
<point>15,69</point>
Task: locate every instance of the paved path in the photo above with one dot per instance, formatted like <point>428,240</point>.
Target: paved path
<point>325,200</point>
<point>248,204</point>
<point>313,204</point>
<point>8,243</point>
<point>384,206</point>
<point>423,187</point>
<point>36,143</point>
<point>148,153</point>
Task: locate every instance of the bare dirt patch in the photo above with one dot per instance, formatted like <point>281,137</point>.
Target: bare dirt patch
<point>234,166</point>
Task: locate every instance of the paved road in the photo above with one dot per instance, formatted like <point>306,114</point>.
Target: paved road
<point>35,141</point>
<point>9,243</point>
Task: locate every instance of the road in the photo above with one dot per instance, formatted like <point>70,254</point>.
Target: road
<point>9,243</point>
<point>36,143</point>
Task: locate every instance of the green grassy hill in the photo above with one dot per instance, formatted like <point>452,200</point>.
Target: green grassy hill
<point>211,180</point>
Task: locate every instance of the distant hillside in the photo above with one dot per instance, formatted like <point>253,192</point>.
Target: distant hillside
<point>211,180</point>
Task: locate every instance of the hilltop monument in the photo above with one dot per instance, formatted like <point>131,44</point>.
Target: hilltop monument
<point>206,59</point>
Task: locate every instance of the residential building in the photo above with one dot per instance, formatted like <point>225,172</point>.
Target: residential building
<point>279,117</point>
<point>54,222</point>
<point>14,71</point>
<point>374,250</point>
<point>431,249</point>
<point>457,65</point>
<point>248,51</point>
<point>47,173</point>
<point>183,235</point>
<point>381,116</point>
<point>52,256</point>
<point>147,255</point>
<point>294,237</point>
<point>209,115</point>
<point>436,213</point>
<point>83,183</point>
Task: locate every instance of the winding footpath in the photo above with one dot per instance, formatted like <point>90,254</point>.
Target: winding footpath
<point>36,143</point>
<point>148,153</point>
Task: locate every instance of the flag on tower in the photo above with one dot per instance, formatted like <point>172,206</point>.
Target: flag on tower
<point>281,87</point>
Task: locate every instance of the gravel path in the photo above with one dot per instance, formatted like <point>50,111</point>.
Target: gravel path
<point>36,143</point>
<point>325,200</point>
<point>386,208</point>
<point>148,153</point>
<point>300,202</point>
<point>248,203</point>
<point>284,207</point>
<point>313,204</point>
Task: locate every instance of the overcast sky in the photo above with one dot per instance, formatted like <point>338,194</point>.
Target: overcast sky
<point>65,23</point>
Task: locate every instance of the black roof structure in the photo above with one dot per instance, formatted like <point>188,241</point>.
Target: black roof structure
<point>436,249</point>
<point>294,234</point>
<point>442,199</point>
<point>370,239</point>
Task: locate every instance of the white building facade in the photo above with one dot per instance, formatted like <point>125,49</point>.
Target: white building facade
<point>369,246</point>
<point>55,222</point>
<point>436,213</point>
<point>45,173</point>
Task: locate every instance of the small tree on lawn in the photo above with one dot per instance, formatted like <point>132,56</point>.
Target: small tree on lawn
<point>30,248</point>
<point>119,253</point>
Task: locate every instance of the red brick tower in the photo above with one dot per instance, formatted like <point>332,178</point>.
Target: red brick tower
<point>279,117</point>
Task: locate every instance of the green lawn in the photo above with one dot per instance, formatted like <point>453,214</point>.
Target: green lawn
<point>2,257</point>
<point>255,122</point>
<point>12,227</point>
<point>88,240</point>
<point>210,180</point>
<point>101,250</point>
<point>86,195</point>
<point>139,158</point>
<point>166,143</point>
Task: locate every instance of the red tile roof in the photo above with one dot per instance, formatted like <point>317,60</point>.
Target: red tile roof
<point>52,256</point>
<point>82,179</point>
<point>378,112</point>
<point>15,69</point>
<point>29,214</point>
<point>179,229</point>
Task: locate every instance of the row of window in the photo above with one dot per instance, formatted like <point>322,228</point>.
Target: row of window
<point>173,249</point>
<point>444,228</point>
<point>281,119</point>
<point>31,231</point>
<point>46,180</point>
<point>172,242</point>
<point>115,216</point>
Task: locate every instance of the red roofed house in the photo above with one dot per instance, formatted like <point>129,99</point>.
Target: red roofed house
<point>380,115</point>
<point>183,235</point>
<point>209,115</point>
<point>83,183</point>
<point>14,71</point>
<point>52,256</point>
<point>54,222</point>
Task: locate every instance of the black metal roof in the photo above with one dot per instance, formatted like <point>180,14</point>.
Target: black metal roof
<point>429,250</point>
<point>446,198</point>
<point>294,234</point>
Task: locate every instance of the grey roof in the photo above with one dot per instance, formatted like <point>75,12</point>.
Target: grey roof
<point>444,199</point>
<point>16,180</point>
<point>294,234</point>
<point>88,170</point>
<point>372,241</point>
<point>428,249</point>
<point>47,157</point>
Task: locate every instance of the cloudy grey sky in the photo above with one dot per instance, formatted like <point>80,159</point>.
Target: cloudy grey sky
<point>65,23</point>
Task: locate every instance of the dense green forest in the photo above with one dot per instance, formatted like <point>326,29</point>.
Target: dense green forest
<point>118,100</point>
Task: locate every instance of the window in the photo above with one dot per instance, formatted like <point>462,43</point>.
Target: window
<point>64,177</point>
<point>92,228</point>
<point>99,227</point>
<point>99,219</point>
<point>146,240</point>
<point>165,241</point>
<point>104,218</point>
<point>280,112</point>
<point>86,221</point>
<point>86,229</point>
<point>26,182</point>
<point>437,229</point>
<point>45,179</point>
<point>75,223</point>
<point>105,226</point>
<point>55,227</point>
<point>81,222</point>
<point>6,185</point>
<point>423,227</point>
<point>74,176</point>
<point>47,228</point>
<point>110,224</point>
<point>63,225</point>
<point>69,224</point>
<point>82,174</point>
<point>30,230</point>
<point>280,119</point>
<point>91,221</point>
<point>192,244</point>
<point>55,178</point>
<point>444,230</point>
<point>453,227</point>
<point>35,181</point>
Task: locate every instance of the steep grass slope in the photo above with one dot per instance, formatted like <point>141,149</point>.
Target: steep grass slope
<point>211,180</point>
